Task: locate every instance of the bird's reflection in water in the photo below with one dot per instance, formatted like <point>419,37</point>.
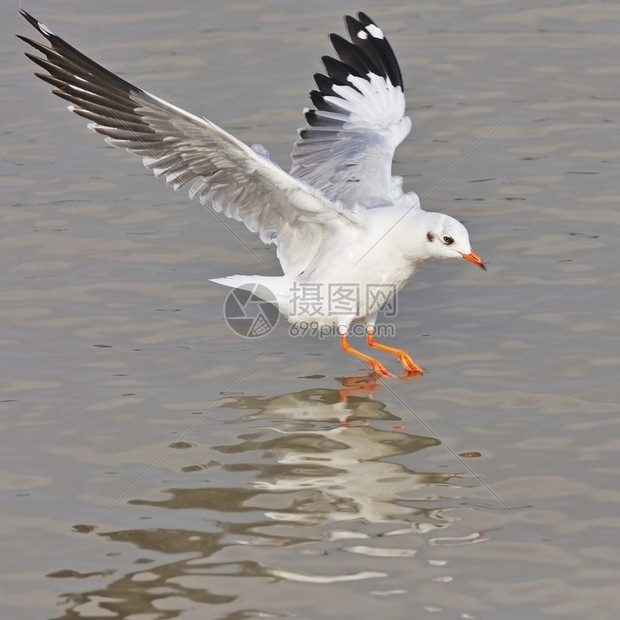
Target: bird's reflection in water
<point>312,473</point>
<point>328,453</point>
<point>316,456</point>
<point>351,401</point>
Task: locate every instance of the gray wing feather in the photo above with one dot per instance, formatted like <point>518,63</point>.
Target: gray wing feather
<point>191,152</point>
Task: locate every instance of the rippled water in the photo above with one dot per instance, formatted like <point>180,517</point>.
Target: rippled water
<point>155,465</point>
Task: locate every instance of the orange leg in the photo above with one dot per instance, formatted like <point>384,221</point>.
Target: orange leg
<point>376,367</point>
<point>403,357</point>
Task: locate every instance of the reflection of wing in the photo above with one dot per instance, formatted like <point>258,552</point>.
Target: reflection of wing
<point>346,149</point>
<point>190,152</point>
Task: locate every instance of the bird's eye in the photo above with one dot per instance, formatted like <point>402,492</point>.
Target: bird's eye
<point>448,240</point>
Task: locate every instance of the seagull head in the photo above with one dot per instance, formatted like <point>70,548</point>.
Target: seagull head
<point>446,237</point>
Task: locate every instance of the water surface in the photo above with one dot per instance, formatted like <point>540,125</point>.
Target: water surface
<point>155,465</point>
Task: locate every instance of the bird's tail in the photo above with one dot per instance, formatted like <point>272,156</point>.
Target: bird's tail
<point>273,289</point>
<point>247,283</point>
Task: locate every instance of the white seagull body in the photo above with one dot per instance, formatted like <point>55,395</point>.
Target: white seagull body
<point>347,236</point>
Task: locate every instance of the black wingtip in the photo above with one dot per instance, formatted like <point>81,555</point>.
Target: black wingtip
<point>363,17</point>
<point>33,21</point>
<point>40,28</point>
<point>27,15</point>
<point>369,49</point>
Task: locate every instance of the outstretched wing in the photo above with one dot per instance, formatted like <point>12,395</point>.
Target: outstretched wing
<point>346,149</point>
<point>191,152</point>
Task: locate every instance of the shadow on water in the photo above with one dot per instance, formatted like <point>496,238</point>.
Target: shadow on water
<point>313,473</point>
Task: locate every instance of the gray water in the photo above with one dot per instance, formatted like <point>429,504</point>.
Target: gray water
<point>155,465</point>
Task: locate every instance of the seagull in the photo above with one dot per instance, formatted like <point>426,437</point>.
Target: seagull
<point>347,236</point>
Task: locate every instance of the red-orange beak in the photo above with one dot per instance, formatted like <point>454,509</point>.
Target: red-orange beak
<point>472,257</point>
